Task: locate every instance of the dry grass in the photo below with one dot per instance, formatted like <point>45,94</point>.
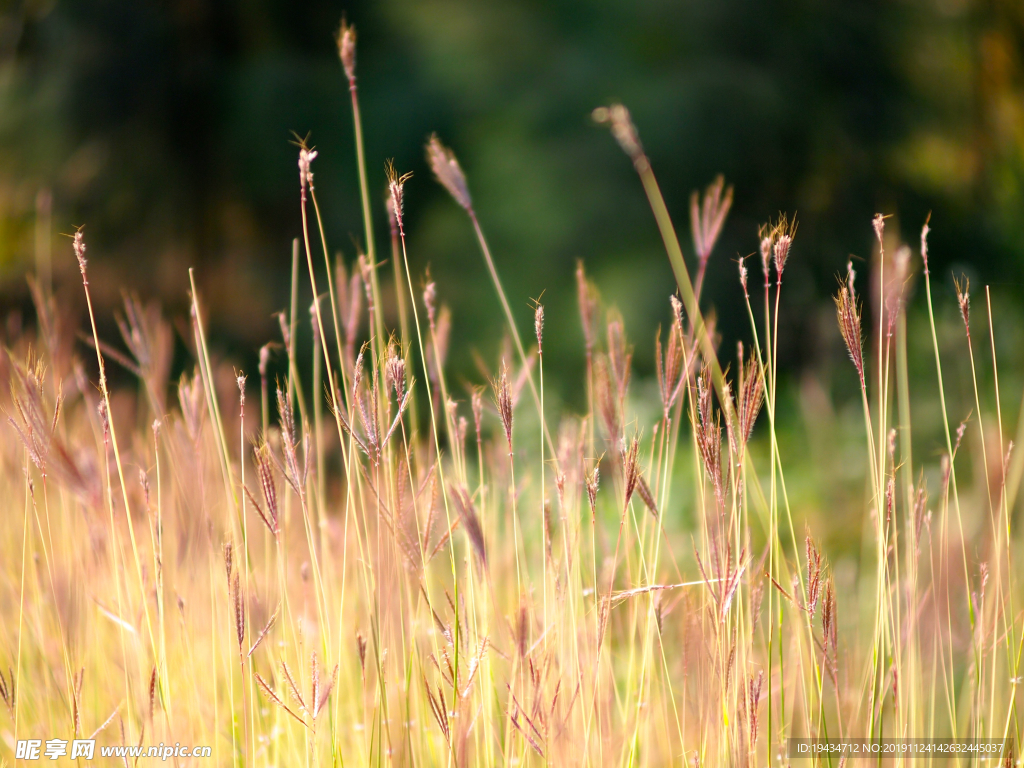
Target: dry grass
<point>369,581</point>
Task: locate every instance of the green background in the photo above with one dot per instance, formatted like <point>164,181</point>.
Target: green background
<point>164,127</point>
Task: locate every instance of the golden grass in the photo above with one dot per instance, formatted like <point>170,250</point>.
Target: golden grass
<point>424,583</point>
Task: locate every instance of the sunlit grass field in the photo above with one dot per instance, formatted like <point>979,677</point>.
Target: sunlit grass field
<point>366,561</point>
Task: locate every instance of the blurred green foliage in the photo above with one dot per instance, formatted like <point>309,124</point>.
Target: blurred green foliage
<point>165,127</point>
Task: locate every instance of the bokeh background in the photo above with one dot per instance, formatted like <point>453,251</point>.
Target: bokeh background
<point>165,128</point>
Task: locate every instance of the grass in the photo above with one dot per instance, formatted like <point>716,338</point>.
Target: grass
<point>422,583</point>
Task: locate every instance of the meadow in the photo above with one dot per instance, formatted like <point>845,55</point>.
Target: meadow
<point>349,556</point>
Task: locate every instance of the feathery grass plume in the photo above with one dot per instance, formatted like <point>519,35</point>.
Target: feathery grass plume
<point>709,434</point>
<point>669,367</point>
<point>396,188</point>
<point>848,313</point>
<point>361,650</point>
<point>782,242</point>
<point>346,40</point>
<point>829,631</point>
<point>522,630</point>
<point>293,687</point>
<point>963,299</point>
<point>229,560</point>
<point>325,693</point>
<point>306,158</point>
<point>925,229</point>
<point>644,492</point>
<point>742,262</point>
<point>631,467</point>
<point>606,402</point>
<point>394,372</point>
<point>677,309</point>
<point>269,693</point>
<point>37,431</point>
<point>430,302</point>
<point>618,119</point>
<point>708,215</point>
<point>79,245</point>
<point>448,172</point>
<point>152,694</point>
<point>264,361</point>
<point>293,472</point>
<point>240,380</point>
<point>239,604</point>
<point>264,472</point>
<point>767,236</point>
<point>751,393</point>
<point>586,296</point>
<point>538,326</point>
<point>476,400</point>
<point>753,700</point>
<point>76,700</point>
<point>503,402</point>
<point>813,575</point>
<point>593,480</point>
<point>470,522</point>
<point>706,219</point>
<point>620,355</point>
<point>264,632</point>
<point>878,224</point>
<point>314,682</point>
<point>438,710</point>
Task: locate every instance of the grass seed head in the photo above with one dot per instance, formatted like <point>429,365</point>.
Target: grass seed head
<point>239,604</point>
<point>471,523</point>
<point>79,245</point>
<point>229,553</point>
<point>709,434</point>
<point>631,467</point>
<point>593,480</point>
<point>618,119</point>
<point>669,367</point>
<point>503,402</point>
<point>963,298</point>
<point>751,394</point>
<point>306,158</point>
<point>586,295</point>
<point>264,360</point>
<point>782,242</point>
<point>430,302</point>
<point>708,216</point>
<point>346,41</point>
<point>476,399</point>
<point>394,372</point>
<point>538,326</point>
<point>396,187</point>
<point>848,313</point>
<point>878,224</point>
<point>925,229</point>
<point>765,234</point>
<point>265,473</point>
<point>448,172</point>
